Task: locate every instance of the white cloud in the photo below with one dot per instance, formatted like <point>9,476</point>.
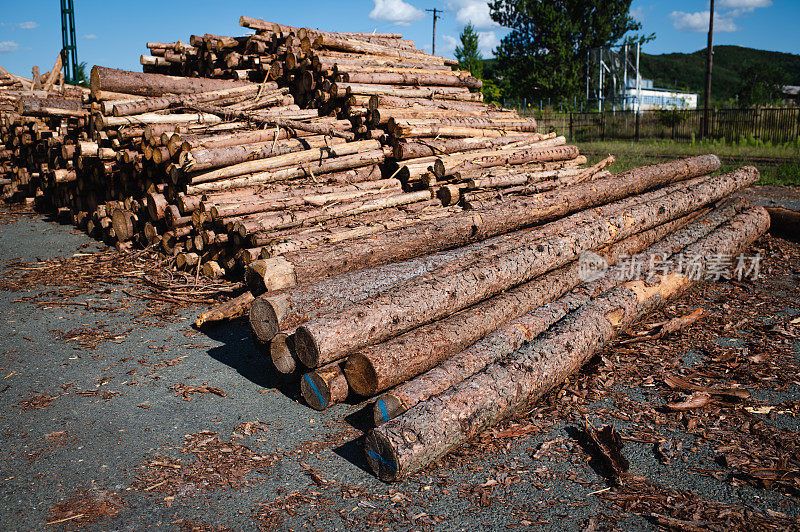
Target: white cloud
<point>90,36</point>
<point>698,22</point>
<point>487,42</point>
<point>397,11</point>
<point>475,12</point>
<point>748,5</point>
<point>28,25</point>
<point>448,46</point>
<point>638,13</point>
<point>8,46</point>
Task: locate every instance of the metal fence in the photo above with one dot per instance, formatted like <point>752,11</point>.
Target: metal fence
<point>777,125</point>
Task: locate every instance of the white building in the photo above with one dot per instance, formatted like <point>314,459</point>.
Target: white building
<point>647,97</point>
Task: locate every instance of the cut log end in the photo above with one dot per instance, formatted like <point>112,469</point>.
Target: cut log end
<point>387,407</point>
<point>281,351</point>
<point>268,275</point>
<point>324,387</point>
<point>361,375</point>
<point>264,319</point>
<point>381,457</point>
<point>306,348</point>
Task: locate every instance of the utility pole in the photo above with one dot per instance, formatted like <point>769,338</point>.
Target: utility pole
<point>709,57</point>
<point>435,17</point>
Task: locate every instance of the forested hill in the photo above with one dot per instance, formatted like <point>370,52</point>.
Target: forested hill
<point>733,65</point>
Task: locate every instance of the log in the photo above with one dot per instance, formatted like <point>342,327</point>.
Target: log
<point>434,147</point>
<point>286,309</point>
<point>280,161</point>
<point>437,294</point>
<point>428,431</point>
<point>205,159</point>
<point>281,351</point>
<point>163,102</point>
<point>103,122</point>
<point>324,386</point>
<point>382,366</point>
<point>288,219</point>
<point>307,170</point>
<point>512,335</point>
<point>124,81</point>
<point>231,309</point>
<point>343,89</point>
<point>463,228</point>
<point>414,78</point>
<point>399,125</point>
<point>228,114</point>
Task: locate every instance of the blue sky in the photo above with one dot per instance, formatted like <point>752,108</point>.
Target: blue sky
<point>114,33</point>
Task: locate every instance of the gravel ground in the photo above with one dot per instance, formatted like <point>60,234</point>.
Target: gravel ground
<point>118,414</point>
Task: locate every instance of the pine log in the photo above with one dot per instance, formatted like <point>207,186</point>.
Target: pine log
<point>231,309</point>
<point>435,147</point>
<point>281,351</point>
<point>280,161</point>
<point>428,431</point>
<point>342,89</point>
<point>309,170</point>
<point>124,81</point>
<point>512,335</point>
<point>479,122</point>
<point>318,128</point>
<point>381,366</point>
<point>285,310</point>
<point>437,294</point>
<point>324,387</point>
<point>163,102</point>
<point>291,219</point>
<point>103,122</point>
<point>414,78</point>
<point>205,159</point>
<point>463,228</point>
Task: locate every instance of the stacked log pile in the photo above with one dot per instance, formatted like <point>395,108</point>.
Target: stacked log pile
<point>418,315</point>
<point>399,238</point>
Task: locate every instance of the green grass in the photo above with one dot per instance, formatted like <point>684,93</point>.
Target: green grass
<point>634,154</point>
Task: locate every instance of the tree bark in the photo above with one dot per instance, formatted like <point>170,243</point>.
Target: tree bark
<point>285,310</point>
<point>512,335</point>
<point>436,147</point>
<point>437,294</point>
<point>381,366</point>
<point>461,229</point>
<point>414,78</point>
<point>281,161</point>
<point>428,431</point>
<point>231,309</point>
<point>205,159</point>
<point>324,387</point>
<point>308,170</point>
<point>124,81</point>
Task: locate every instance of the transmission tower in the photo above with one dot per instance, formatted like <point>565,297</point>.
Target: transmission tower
<point>613,79</point>
<point>69,49</point>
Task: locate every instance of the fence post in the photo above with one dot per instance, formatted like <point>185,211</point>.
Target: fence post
<point>637,126</point>
<point>674,119</point>
<point>570,126</point>
<point>602,125</point>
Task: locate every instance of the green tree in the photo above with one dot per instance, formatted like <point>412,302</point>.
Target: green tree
<point>468,54</point>
<point>80,75</point>
<point>545,53</point>
<point>760,85</point>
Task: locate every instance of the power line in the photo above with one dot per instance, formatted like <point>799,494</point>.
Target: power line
<point>435,18</point>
